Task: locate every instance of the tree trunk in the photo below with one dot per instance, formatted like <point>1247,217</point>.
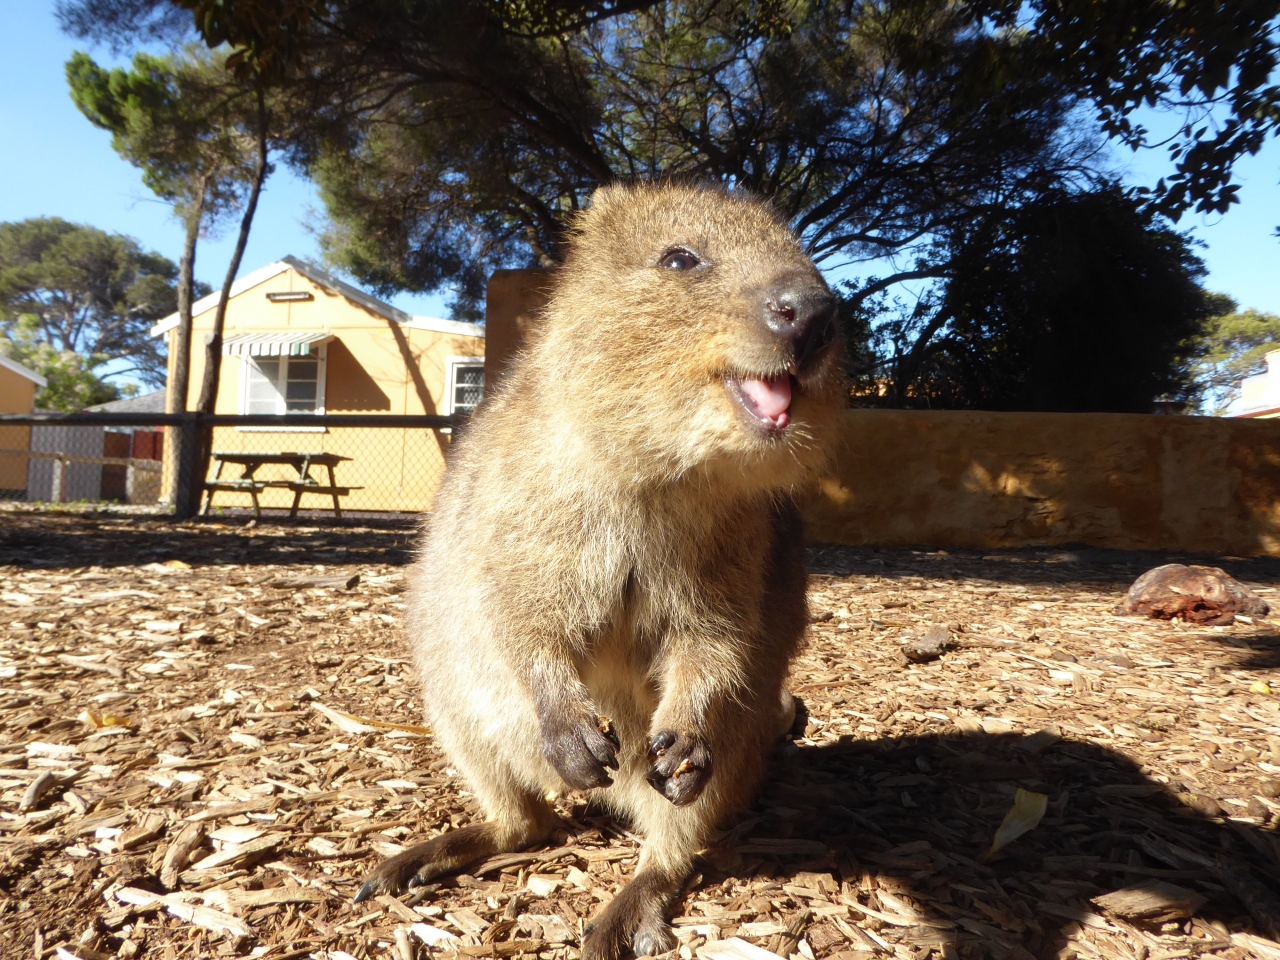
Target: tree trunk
<point>176,492</point>
<point>186,296</point>
<point>213,351</point>
<point>213,354</point>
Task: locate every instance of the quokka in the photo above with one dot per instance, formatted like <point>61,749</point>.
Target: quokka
<point>611,586</point>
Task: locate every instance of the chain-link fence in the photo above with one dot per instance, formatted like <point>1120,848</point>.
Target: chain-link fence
<point>305,465</point>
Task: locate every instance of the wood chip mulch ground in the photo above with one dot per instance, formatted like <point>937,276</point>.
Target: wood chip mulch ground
<point>178,778</point>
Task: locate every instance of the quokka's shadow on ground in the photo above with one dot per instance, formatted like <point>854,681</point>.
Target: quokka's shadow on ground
<point>914,817</point>
<point>1258,651</point>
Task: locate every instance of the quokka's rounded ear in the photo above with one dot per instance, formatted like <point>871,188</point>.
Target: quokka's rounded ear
<point>608,194</point>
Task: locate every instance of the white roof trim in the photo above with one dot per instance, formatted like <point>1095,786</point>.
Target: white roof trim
<point>445,326</point>
<point>22,371</point>
<point>333,283</point>
<point>249,280</point>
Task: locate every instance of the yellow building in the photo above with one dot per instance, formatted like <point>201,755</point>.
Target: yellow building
<point>17,395</point>
<point>299,341</point>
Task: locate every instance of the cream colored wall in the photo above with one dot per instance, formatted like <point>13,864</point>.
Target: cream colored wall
<point>17,395</point>
<point>513,302</point>
<point>374,365</point>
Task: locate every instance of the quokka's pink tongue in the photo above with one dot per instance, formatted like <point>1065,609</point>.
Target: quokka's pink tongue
<point>771,397</point>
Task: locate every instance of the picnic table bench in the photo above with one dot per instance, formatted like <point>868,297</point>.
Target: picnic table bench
<point>248,483</point>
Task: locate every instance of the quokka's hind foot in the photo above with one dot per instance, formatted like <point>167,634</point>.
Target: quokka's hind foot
<point>423,863</point>
<point>634,919</point>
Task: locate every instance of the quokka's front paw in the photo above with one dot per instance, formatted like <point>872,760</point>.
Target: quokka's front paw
<point>681,765</point>
<point>581,748</point>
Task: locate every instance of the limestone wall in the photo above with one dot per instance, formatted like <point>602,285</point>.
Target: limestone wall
<point>976,479</point>
<point>512,302</point>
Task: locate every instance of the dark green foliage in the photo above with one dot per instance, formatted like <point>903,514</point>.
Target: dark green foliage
<point>1116,55</point>
<point>1233,345</point>
<point>869,132</point>
<point>85,292</point>
<point>1071,303</point>
<point>177,119</point>
<point>452,137</point>
<point>73,300</point>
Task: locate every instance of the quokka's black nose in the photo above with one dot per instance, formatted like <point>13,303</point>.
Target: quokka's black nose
<point>804,313</point>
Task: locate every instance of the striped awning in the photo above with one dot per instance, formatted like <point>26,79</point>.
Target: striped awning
<point>294,344</point>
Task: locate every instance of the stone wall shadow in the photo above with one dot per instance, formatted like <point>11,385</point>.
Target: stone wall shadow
<point>32,539</point>
<point>1076,565</point>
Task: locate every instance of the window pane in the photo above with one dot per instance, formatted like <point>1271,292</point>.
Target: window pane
<point>260,369</point>
<point>263,395</point>
<point>304,390</point>
<point>301,392</point>
<point>468,387</point>
<point>303,368</point>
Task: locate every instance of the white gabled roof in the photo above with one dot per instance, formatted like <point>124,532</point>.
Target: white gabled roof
<point>263,274</point>
<point>22,371</point>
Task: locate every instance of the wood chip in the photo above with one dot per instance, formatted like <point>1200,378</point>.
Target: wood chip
<point>206,917</point>
<point>1152,900</point>
<point>554,929</point>
<point>887,797</point>
<point>178,853</point>
<point>432,936</point>
<point>734,948</point>
<point>235,852</point>
<point>239,901</point>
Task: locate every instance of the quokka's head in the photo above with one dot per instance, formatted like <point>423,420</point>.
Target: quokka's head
<point>690,332</point>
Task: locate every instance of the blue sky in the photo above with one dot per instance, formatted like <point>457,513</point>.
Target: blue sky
<point>54,163</point>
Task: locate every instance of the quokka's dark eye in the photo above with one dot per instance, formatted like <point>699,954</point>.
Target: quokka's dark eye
<point>678,258</point>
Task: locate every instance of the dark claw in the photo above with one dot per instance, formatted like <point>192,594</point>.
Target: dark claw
<point>681,766</point>
<point>421,864</point>
<point>660,743</point>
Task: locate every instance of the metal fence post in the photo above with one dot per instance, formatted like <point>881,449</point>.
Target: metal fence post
<point>58,494</point>
<point>187,486</point>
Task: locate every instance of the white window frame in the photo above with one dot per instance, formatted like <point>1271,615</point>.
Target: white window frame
<point>320,355</point>
<point>451,379</point>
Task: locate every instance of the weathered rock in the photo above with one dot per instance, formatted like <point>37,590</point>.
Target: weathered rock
<point>1206,595</point>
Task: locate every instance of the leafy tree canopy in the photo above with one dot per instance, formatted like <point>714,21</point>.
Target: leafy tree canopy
<point>70,381</point>
<point>1212,63</point>
<point>82,291</point>
<point>451,137</point>
<point>1072,303</point>
<point>1233,345</point>
<point>871,132</point>
<point>175,118</point>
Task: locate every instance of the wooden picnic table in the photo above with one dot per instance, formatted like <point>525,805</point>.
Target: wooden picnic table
<point>251,462</point>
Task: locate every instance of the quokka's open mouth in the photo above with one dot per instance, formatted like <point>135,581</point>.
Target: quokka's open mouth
<point>768,400</point>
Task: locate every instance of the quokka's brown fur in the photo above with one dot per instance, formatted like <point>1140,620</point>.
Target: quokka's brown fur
<point>616,539</point>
